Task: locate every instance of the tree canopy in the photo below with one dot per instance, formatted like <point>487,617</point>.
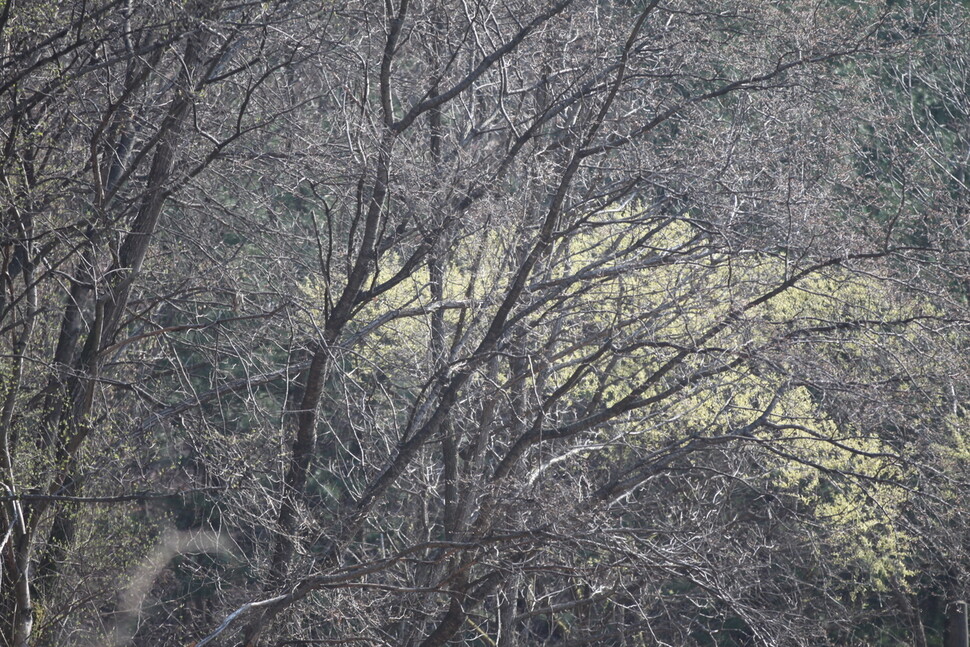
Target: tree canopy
<point>506,324</point>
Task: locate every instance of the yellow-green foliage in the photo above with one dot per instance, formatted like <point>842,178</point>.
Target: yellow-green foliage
<point>652,298</point>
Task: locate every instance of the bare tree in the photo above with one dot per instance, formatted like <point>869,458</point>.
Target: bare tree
<point>109,110</point>
<point>493,323</point>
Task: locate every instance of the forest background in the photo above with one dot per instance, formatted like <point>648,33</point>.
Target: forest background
<point>479,322</point>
